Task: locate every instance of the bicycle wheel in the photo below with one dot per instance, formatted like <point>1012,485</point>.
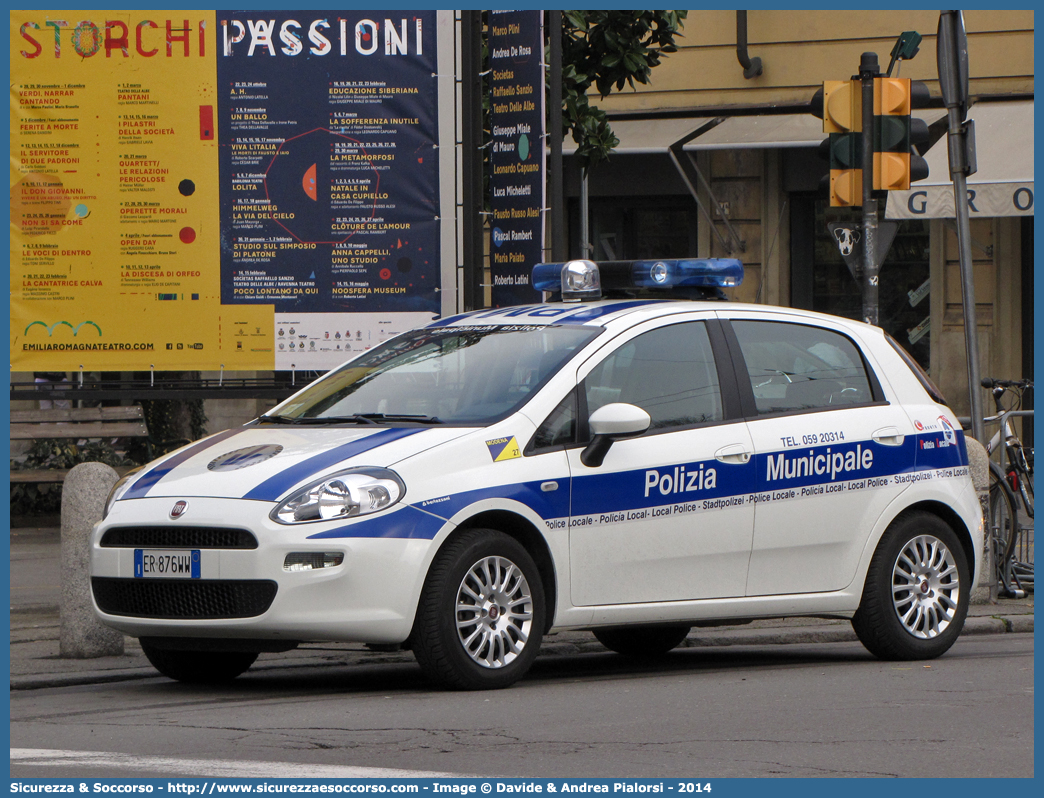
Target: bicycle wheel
<point>1025,473</point>
<point>1004,527</point>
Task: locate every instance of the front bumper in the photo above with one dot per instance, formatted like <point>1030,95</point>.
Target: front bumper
<point>245,593</point>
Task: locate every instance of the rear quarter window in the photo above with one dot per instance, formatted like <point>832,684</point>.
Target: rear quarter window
<point>922,377</point>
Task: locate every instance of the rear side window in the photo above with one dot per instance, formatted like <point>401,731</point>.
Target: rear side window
<point>796,367</point>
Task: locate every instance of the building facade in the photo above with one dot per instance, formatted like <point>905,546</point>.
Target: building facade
<point>713,163</point>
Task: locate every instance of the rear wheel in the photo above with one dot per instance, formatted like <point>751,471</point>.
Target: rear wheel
<point>1004,528</point>
<point>642,641</point>
<point>915,598</point>
<point>199,667</point>
<point>481,614</point>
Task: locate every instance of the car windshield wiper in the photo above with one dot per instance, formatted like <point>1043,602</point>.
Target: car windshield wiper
<point>316,421</point>
<point>356,418</point>
<point>375,417</point>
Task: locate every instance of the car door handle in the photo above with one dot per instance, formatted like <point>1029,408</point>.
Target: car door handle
<point>735,453</point>
<point>889,436</point>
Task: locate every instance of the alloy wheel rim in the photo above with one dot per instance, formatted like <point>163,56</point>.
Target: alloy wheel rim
<point>925,587</point>
<point>494,612</point>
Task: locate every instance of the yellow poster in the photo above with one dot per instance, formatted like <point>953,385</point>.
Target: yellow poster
<point>115,232</point>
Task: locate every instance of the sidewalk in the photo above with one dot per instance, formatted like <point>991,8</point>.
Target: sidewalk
<point>35,660</point>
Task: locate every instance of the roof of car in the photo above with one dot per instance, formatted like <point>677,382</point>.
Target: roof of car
<point>601,313</point>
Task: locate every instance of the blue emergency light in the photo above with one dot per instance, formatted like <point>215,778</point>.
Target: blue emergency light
<point>578,280</point>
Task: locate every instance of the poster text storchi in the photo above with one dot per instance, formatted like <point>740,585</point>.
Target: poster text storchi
<point>199,189</point>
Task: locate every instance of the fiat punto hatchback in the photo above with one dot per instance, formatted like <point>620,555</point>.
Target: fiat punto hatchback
<point>634,467</point>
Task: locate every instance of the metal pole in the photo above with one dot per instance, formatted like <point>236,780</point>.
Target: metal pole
<point>585,231</point>
<point>952,60</point>
<point>971,326</point>
<point>471,158</point>
<point>868,70</point>
<point>556,178</point>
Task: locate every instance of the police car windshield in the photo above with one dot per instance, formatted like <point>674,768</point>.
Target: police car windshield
<point>455,375</point>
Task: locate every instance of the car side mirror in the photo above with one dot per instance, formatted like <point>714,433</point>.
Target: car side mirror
<point>611,423</point>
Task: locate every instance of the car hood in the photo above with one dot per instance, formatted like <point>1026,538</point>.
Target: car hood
<point>265,462</point>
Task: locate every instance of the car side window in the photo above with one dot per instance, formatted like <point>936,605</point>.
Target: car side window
<point>801,367</point>
<point>668,372</point>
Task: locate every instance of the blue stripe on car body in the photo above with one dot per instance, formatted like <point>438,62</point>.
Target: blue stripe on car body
<point>595,494</point>
<point>148,480</point>
<point>404,523</point>
<point>553,313</point>
<point>274,487</point>
<point>448,321</point>
<point>590,314</point>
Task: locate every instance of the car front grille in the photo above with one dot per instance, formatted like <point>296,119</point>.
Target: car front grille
<point>179,537</point>
<point>181,598</point>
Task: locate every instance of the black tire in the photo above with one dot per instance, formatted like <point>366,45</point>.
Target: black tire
<point>478,649</point>
<point>919,550</point>
<point>642,641</point>
<point>199,667</point>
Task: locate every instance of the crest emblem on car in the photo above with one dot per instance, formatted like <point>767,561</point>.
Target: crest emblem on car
<point>178,509</point>
<point>242,458</point>
<point>949,434</point>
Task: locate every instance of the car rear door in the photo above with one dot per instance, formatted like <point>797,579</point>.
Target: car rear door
<point>828,443</point>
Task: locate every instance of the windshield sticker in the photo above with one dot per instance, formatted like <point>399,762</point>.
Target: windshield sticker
<point>498,328</point>
<point>501,449</point>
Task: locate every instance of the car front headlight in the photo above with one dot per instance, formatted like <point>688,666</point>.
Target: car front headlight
<point>357,491</point>
<point>117,491</point>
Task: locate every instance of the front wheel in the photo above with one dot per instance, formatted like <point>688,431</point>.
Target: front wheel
<point>642,641</point>
<point>199,667</point>
<point>481,614</point>
<point>915,598</point>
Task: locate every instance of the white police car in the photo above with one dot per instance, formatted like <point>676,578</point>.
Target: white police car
<point>633,467</point>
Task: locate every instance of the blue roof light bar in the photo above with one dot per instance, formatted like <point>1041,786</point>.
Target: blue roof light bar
<point>583,279</point>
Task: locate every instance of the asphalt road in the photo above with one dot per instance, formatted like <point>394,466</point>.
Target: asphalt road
<point>794,710</point>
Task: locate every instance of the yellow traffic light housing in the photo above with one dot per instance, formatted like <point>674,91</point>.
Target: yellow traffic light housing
<point>891,96</point>
<point>891,134</point>
<point>839,105</point>
<point>842,106</point>
<point>895,131</point>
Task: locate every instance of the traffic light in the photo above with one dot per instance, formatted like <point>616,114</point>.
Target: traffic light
<point>895,131</point>
<point>919,98</point>
<point>845,153</point>
<point>839,105</point>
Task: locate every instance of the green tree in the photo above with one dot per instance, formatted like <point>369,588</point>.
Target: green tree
<point>608,50</point>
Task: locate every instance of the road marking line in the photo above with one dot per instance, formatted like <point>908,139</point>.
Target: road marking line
<point>224,768</point>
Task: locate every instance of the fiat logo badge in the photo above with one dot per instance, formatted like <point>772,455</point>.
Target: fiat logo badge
<point>178,509</point>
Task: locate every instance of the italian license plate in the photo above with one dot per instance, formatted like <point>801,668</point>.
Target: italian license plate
<point>166,563</point>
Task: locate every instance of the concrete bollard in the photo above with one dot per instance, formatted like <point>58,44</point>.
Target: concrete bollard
<point>979,464</point>
<point>83,500</point>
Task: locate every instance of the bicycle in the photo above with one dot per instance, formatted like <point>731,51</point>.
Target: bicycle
<point>1011,493</point>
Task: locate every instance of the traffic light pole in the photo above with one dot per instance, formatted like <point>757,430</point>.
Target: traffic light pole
<point>870,136</point>
<point>871,272</point>
<point>952,60</point>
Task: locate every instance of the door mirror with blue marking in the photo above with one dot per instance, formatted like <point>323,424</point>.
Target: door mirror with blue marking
<point>610,423</point>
